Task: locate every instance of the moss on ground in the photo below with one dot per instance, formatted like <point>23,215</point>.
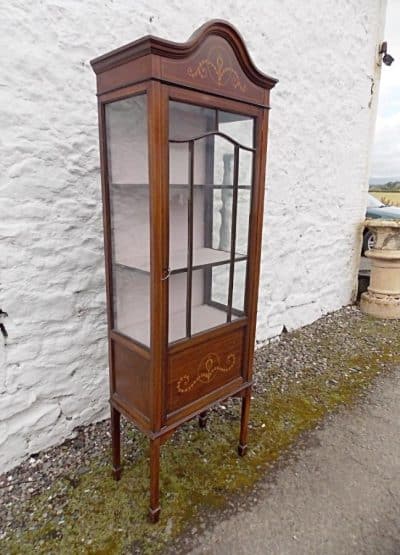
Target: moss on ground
<point>200,468</point>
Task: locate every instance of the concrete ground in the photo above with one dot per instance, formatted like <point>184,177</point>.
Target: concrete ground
<point>339,493</point>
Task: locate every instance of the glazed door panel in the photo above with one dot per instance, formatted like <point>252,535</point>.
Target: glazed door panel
<point>211,179</point>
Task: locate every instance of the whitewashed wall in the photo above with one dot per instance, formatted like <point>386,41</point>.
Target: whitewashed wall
<point>53,373</point>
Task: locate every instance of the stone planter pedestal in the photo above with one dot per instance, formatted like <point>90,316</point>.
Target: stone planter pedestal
<point>383,296</point>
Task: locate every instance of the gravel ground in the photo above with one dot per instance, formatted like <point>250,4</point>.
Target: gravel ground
<point>308,352</point>
<point>69,461</point>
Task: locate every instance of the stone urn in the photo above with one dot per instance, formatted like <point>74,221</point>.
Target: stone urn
<point>382,299</point>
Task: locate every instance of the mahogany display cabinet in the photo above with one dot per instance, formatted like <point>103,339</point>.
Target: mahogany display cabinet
<point>183,139</point>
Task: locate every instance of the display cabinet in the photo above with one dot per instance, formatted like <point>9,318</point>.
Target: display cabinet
<point>183,135</point>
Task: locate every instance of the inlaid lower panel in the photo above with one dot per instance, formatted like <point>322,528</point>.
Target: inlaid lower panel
<point>196,371</point>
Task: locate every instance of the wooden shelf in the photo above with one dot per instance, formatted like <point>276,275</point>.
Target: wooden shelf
<point>182,185</point>
<point>202,258</point>
<point>204,317</point>
<point>207,185</point>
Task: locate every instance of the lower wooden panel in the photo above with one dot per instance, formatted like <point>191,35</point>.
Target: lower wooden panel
<point>233,389</point>
<point>135,416</point>
<point>131,378</point>
<point>195,372</point>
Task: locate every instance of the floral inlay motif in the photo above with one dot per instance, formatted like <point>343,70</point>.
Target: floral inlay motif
<point>208,367</point>
<point>217,72</point>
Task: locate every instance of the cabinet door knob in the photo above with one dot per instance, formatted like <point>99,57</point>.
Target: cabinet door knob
<point>166,273</point>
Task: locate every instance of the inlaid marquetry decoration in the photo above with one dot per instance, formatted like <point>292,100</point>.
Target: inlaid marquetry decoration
<point>208,367</point>
<point>213,67</point>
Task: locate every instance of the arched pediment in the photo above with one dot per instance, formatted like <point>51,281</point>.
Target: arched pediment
<point>228,33</point>
<point>215,59</point>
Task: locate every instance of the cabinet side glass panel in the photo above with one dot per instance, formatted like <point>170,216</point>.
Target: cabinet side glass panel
<point>126,128</point>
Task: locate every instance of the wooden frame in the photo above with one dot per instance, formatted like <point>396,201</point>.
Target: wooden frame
<point>160,385</point>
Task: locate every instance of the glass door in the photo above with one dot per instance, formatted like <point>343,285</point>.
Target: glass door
<point>210,187</point>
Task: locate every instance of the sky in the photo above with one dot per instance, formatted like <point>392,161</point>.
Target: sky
<point>386,149</point>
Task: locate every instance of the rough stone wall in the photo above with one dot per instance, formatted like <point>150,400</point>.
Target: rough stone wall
<point>53,373</point>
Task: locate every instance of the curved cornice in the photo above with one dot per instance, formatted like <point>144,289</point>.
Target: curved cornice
<point>176,50</point>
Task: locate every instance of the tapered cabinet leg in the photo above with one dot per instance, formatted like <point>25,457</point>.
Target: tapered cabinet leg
<point>244,423</point>
<point>116,442</point>
<point>154,511</point>
<point>203,419</point>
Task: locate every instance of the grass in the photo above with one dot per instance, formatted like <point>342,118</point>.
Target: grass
<point>392,199</point>
<point>200,468</point>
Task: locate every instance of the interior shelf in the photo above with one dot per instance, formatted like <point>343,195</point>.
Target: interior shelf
<point>183,185</point>
<point>204,317</point>
<point>202,257</point>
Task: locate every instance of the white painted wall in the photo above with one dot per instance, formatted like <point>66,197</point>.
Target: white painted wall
<point>53,374</point>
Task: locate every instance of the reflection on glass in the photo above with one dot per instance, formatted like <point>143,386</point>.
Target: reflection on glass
<point>245,177</point>
<point>237,126</point>
<point>226,203</point>
<point>204,313</point>
<point>189,120</point>
<point>243,221</point>
<point>177,306</point>
<point>220,287</point>
<point>203,160</point>
<point>223,171</point>
<point>222,197</point>
<point>126,128</point>
<point>239,287</point>
<point>220,284</point>
<point>245,168</point>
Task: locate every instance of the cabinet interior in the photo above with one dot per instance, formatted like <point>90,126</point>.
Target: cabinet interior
<point>208,175</point>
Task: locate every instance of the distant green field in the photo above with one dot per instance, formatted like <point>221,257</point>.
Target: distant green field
<point>388,198</point>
